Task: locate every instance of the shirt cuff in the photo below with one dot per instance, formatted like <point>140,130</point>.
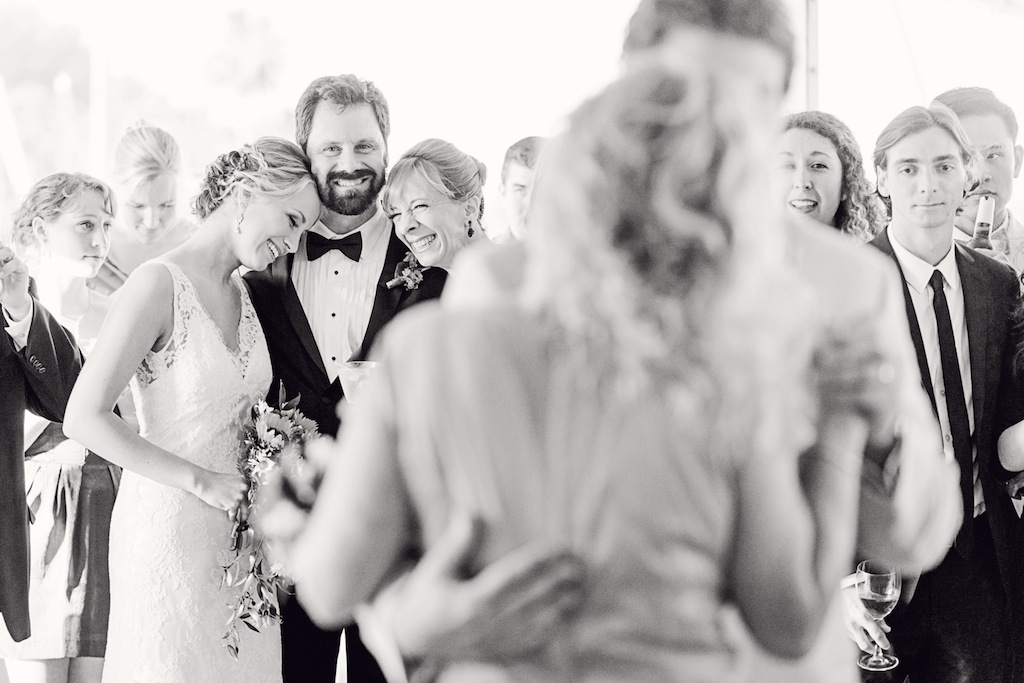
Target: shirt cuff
<point>19,330</point>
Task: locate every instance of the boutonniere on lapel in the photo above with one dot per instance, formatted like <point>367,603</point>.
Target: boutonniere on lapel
<point>409,273</point>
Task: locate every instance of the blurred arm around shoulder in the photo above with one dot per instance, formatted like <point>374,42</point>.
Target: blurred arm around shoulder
<point>910,505</point>
<point>434,613</point>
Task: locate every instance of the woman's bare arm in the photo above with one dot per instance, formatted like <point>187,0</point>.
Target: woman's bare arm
<point>141,319</point>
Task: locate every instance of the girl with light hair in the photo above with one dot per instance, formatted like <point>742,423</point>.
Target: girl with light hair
<point>147,168</point>
<point>62,230</point>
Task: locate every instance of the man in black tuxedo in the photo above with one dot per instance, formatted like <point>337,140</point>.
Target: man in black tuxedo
<point>39,363</point>
<point>325,304</point>
<point>962,621</point>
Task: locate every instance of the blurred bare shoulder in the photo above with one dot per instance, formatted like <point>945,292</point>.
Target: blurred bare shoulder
<point>848,278</point>
<point>486,274</point>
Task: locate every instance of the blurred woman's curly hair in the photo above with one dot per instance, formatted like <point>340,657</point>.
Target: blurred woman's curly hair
<point>654,248</point>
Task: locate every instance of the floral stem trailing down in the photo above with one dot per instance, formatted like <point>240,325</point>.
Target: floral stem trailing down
<point>273,438</point>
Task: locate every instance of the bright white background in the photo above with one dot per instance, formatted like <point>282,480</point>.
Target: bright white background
<point>479,73</point>
<point>879,57</point>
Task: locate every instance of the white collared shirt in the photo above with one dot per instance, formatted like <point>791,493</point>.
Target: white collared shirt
<point>917,274</point>
<point>18,331</point>
<point>337,293</point>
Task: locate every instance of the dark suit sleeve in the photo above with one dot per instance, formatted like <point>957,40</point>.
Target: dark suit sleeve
<point>50,362</point>
<point>1009,409</point>
<point>433,284</point>
<point>1010,406</point>
<point>1010,398</point>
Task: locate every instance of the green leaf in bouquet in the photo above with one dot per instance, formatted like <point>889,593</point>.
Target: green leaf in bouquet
<point>271,435</point>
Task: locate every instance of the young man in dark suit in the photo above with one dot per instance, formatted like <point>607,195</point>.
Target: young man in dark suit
<point>324,305</point>
<point>962,620</point>
<point>39,363</point>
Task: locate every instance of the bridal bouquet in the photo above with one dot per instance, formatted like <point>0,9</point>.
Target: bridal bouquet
<point>273,438</point>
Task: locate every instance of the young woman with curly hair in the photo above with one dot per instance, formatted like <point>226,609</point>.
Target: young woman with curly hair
<point>820,173</point>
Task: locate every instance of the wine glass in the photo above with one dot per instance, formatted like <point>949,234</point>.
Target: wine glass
<point>353,374</point>
<point>878,587</point>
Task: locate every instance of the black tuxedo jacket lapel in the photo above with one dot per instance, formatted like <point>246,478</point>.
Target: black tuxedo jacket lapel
<point>281,276</point>
<point>882,243</point>
<point>977,312</point>
<point>385,301</point>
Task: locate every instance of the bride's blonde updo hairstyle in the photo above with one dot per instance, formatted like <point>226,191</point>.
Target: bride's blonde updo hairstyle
<point>271,167</point>
<point>654,247</point>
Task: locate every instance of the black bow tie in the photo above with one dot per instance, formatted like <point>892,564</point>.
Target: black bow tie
<point>318,245</point>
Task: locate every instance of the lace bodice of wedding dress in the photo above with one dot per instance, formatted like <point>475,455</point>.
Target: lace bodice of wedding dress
<point>169,609</point>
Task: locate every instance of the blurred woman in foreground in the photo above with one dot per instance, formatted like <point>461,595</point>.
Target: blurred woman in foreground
<point>644,404</point>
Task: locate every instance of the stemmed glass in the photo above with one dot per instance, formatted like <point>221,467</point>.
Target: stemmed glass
<point>878,587</point>
<point>353,374</point>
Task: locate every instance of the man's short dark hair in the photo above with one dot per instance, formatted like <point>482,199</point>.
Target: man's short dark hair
<point>523,152</point>
<point>974,101</point>
<point>342,91</point>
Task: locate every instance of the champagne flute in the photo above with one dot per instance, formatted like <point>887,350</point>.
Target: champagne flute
<point>353,374</point>
<point>878,587</point>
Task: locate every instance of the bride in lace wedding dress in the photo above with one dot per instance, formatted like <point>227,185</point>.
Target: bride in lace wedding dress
<point>184,331</point>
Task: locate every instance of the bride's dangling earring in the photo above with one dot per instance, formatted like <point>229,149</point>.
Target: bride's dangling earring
<point>243,202</point>
<point>469,229</point>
